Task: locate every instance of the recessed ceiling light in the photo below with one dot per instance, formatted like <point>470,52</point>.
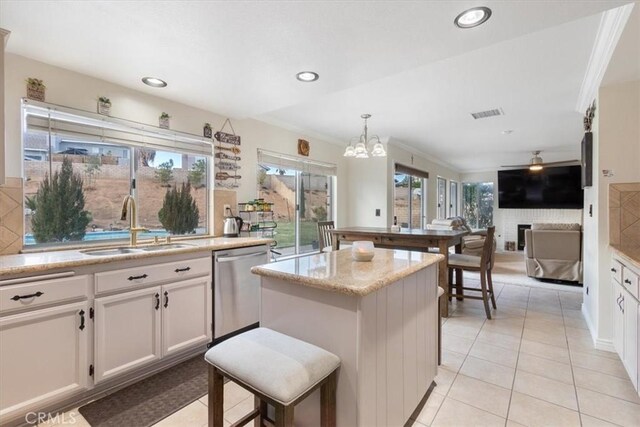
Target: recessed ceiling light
<point>307,76</point>
<point>154,82</point>
<point>472,17</point>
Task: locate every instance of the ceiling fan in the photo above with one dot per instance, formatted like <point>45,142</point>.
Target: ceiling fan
<point>536,163</point>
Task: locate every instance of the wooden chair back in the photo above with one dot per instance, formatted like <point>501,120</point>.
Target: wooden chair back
<point>487,249</point>
<point>324,237</point>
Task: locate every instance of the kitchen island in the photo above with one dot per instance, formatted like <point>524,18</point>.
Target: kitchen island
<point>380,318</point>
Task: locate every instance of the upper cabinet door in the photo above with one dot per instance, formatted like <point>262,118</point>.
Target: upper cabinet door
<point>186,316</point>
<point>127,332</point>
<point>44,357</point>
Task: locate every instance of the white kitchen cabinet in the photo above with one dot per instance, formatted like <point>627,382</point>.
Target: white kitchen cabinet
<point>618,319</point>
<point>630,309</point>
<point>127,332</point>
<point>186,315</point>
<point>43,357</point>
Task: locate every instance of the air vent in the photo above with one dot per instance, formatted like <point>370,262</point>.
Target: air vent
<point>488,113</point>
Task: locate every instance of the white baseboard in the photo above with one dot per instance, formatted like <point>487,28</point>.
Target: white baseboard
<point>598,343</point>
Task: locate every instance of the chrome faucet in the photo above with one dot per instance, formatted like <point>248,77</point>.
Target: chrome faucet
<point>129,204</point>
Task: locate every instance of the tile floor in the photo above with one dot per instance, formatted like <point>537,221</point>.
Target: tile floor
<point>533,364</point>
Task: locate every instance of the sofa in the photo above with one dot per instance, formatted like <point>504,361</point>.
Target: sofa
<point>554,251</point>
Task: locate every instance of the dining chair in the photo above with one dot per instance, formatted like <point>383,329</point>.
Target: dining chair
<point>481,264</point>
<point>324,237</point>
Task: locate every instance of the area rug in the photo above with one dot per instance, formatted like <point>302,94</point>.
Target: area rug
<point>509,269</point>
<point>146,402</point>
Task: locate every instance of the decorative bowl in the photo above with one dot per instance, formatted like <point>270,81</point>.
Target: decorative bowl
<point>362,251</point>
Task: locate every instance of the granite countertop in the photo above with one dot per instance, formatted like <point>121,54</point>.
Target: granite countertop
<point>337,272</point>
<point>632,253</point>
<point>38,262</point>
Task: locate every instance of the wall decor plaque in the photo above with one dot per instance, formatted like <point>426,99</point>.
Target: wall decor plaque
<point>303,147</point>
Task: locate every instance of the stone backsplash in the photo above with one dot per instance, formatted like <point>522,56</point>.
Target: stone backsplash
<point>11,217</point>
<point>624,214</point>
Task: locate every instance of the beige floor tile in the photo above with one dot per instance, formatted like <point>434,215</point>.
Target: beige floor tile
<point>544,308</point>
<point>511,423</point>
<point>507,312</point>
<point>588,421</point>
<point>450,328</point>
<point>605,384</point>
<point>511,326</point>
<point>233,394</point>
<point>533,412</point>
<point>456,414</point>
<point>443,380</point>
<point>481,395</point>
<point>546,389</point>
<point>490,352</point>
<point>554,338</point>
<point>577,323</point>
<point>508,342</point>
<point>600,364</point>
<point>551,352</point>
<point>240,410</point>
<point>577,333</point>
<point>572,314</point>
<point>545,317</point>
<point>469,321</point>
<point>487,371</point>
<point>430,409</point>
<point>545,367</point>
<point>608,408</point>
<point>458,344</point>
<point>587,347</point>
<point>452,360</point>
<point>194,414</point>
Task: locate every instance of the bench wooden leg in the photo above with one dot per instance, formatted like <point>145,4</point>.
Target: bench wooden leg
<point>284,416</point>
<point>262,412</point>
<point>216,396</point>
<point>328,401</point>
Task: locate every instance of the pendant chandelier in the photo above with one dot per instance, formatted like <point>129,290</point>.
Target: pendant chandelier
<point>361,150</point>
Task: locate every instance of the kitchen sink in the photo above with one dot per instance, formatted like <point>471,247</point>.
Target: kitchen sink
<point>166,246</point>
<point>112,251</point>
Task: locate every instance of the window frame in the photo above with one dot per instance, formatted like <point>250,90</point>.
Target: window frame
<point>444,208</point>
<point>474,223</point>
<point>173,140</point>
<point>453,200</point>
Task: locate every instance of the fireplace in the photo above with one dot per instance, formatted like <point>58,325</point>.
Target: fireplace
<point>521,228</point>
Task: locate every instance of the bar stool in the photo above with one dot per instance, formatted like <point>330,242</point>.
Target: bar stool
<point>278,370</point>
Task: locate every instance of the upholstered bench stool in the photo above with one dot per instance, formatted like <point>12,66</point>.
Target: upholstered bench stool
<point>279,370</point>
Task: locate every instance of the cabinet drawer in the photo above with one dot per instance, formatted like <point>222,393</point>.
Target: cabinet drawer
<point>616,271</point>
<point>42,292</point>
<point>136,277</point>
<point>630,281</point>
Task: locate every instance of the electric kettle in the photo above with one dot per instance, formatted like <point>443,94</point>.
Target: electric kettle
<point>232,225</point>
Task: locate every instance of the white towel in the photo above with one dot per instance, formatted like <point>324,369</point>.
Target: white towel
<point>448,222</point>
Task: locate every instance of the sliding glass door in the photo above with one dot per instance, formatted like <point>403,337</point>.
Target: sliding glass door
<point>477,204</point>
<point>301,194</point>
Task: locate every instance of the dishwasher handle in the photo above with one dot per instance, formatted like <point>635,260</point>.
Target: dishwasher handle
<point>238,257</point>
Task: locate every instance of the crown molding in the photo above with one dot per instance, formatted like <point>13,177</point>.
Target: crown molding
<point>612,24</point>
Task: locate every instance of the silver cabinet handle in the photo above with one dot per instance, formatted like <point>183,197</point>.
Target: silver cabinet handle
<point>235,258</point>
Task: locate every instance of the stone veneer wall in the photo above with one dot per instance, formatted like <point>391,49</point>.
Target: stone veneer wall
<point>11,217</point>
<point>624,214</point>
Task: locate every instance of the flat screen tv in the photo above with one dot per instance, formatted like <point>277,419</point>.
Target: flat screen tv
<point>549,188</point>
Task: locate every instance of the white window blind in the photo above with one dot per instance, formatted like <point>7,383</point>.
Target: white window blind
<point>286,161</point>
<point>81,125</point>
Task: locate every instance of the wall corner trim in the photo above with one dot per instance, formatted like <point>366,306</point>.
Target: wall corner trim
<point>611,26</point>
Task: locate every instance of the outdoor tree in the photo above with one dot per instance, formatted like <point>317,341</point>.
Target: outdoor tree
<point>146,156</point>
<point>60,215</point>
<point>164,173</point>
<point>92,169</point>
<point>197,173</point>
<point>179,213</point>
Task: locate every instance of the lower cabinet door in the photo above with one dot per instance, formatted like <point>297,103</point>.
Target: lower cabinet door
<point>127,332</point>
<point>630,308</point>
<point>618,320</point>
<point>43,357</point>
<point>186,315</point>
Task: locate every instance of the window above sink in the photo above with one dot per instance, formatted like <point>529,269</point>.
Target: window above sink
<point>105,159</point>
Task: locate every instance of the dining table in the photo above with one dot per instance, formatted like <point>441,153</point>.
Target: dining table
<point>409,239</point>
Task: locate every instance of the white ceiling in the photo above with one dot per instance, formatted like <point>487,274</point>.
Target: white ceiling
<point>404,62</point>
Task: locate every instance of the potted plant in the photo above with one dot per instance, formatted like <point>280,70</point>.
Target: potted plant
<point>35,89</point>
<point>104,105</point>
<point>164,120</point>
<point>207,132</point>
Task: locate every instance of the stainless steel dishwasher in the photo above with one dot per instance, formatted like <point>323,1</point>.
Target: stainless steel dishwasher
<point>236,291</point>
